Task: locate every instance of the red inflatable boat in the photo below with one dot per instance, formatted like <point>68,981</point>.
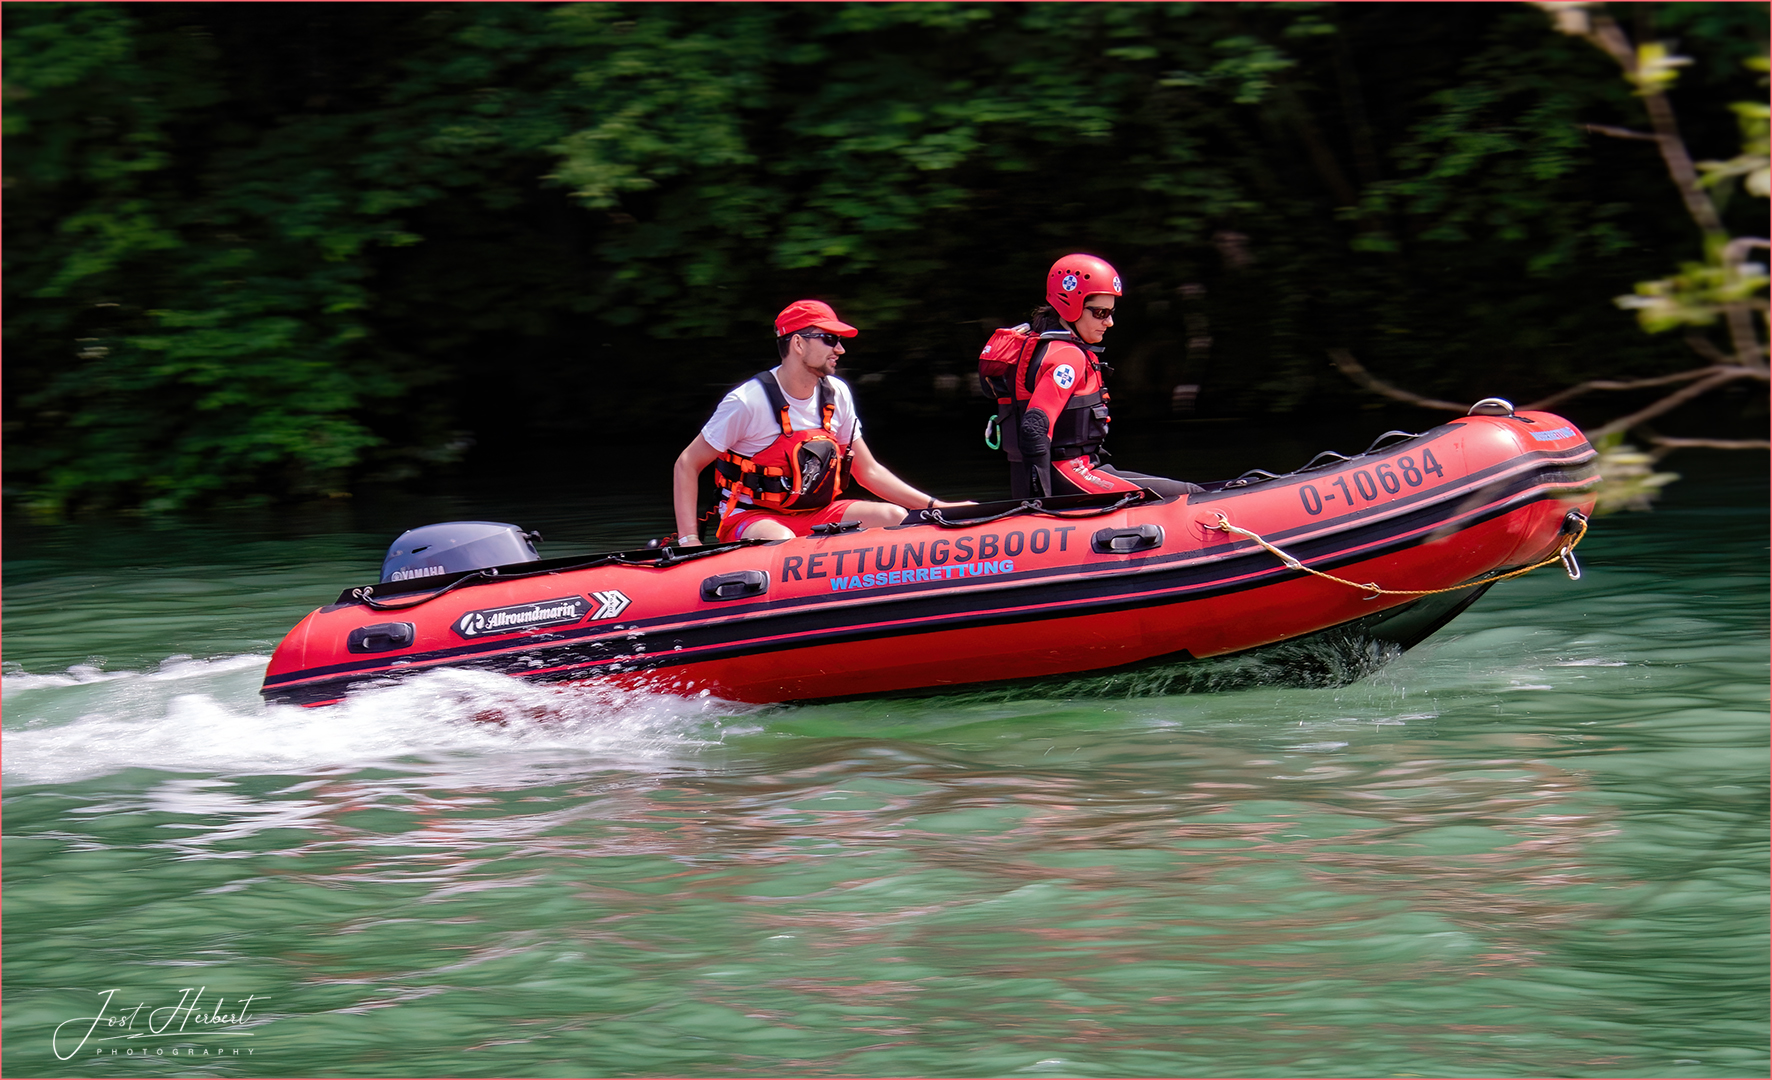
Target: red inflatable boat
<point>993,593</point>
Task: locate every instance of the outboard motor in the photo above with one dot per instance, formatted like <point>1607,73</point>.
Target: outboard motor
<point>452,546</point>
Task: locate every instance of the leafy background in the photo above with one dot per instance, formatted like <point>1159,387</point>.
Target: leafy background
<point>280,250</point>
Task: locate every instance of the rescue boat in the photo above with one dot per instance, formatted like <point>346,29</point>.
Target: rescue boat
<point>984,594</point>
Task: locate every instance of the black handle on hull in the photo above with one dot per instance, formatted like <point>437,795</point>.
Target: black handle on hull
<point>1126,541</point>
<point>735,586</point>
<point>381,637</point>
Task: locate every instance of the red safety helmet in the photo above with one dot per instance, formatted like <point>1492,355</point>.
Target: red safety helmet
<point>1076,277</point>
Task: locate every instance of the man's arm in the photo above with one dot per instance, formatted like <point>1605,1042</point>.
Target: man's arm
<point>878,479</point>
<point>685,481</point>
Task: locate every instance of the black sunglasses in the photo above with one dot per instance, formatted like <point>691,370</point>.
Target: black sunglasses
<point>825,336</point>
<point>1103,313</point>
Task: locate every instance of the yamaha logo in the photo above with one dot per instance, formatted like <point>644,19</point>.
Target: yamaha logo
<point>416,572</point>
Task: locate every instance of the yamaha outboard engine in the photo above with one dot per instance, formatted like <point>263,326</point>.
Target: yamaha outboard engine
<point>453,546</point>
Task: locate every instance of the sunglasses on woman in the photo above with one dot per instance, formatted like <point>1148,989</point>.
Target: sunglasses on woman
<point>1102,313</point>
<point>829,339</point>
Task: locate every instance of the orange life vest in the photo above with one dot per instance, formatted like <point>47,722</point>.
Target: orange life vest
<point>800,470</point>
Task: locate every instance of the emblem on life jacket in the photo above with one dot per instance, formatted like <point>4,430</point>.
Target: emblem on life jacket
<point>1064,375</point>
<point>811,468</point>
<point>1068,283</point>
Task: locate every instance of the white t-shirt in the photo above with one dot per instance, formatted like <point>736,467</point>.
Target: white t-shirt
<point>745,424</point>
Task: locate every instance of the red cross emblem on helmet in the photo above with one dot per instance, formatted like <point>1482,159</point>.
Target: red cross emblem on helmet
<point>1075,278</point>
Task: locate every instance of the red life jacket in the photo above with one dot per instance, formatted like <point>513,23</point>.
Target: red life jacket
<point>1009,369</point>
<point>800,470</point>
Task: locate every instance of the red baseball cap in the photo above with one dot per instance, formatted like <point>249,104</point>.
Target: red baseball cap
<point>803,313</point>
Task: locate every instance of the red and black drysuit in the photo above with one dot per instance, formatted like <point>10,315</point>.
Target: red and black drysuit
<point>1059,418</point>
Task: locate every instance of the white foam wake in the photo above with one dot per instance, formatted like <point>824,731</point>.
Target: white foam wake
<point>206,717</point>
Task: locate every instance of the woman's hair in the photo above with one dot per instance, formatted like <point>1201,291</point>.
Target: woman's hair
<point>1044,318</point>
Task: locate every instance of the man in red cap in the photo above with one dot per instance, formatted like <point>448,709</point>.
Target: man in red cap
<point>783,442</point>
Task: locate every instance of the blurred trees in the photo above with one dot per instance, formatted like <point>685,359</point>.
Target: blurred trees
<point>1724,288</point>
<point>283,248</point>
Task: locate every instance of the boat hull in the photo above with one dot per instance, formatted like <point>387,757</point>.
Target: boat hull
<point>1030,594</point>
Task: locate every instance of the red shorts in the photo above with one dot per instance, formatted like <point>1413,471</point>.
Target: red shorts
<point>732,526</point>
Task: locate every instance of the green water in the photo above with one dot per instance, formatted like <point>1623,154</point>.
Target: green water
<point>1535,845</point>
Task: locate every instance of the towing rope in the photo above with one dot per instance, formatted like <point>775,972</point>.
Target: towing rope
<point>1574,528</point>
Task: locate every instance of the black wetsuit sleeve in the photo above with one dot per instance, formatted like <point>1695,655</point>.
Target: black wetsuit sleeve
<point>1036,452</point>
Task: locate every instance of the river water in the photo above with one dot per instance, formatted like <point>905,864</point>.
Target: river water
<point>1535,845</point>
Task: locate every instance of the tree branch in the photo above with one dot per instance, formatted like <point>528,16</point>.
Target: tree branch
<point>1705,348</point>
<point>1736,250</point>
<point>1353,369</point>
<point>1606,34</point>
<point>1640,384</point>
<point>1620,133</point>
<point>1739,316</point>
<point>1675,443</point>
<point>1672,401</point>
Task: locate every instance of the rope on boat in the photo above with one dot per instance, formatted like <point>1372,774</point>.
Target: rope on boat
<point>671,556</point>
<point>1574,529</point>
<point>1032,506</point>
<point>366,594</point>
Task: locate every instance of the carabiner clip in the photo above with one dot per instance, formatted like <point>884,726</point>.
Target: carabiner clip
<point>1570,566</point>
<point>993,432</point>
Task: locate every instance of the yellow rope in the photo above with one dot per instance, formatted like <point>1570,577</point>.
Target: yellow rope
<point>1565,554</point>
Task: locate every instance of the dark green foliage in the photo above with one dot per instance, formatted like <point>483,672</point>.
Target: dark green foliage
<point>279,248</point>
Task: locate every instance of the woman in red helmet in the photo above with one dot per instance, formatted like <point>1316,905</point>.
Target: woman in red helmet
<point>1057,415</point>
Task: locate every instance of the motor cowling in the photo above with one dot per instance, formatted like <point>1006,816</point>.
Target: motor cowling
<point>453,546</point>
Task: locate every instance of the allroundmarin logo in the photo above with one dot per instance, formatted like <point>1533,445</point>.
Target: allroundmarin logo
<point>559,611</point>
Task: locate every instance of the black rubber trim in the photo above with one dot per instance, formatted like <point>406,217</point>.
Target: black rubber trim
<point>1345,532</point>
<point>1135,573</point>
<point>1026,600</point>
<point>793,620</point>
